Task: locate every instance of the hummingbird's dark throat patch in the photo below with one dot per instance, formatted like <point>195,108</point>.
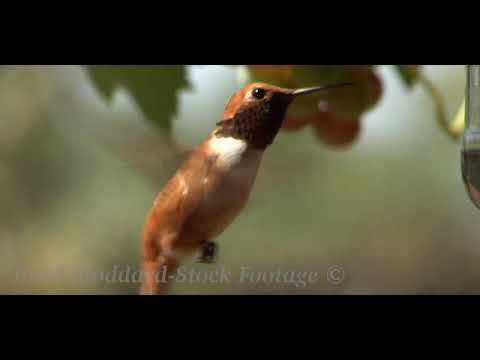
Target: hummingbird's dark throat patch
<point>257,123</point>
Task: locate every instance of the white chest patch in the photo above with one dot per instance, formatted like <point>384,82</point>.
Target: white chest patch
<point>230,151</point>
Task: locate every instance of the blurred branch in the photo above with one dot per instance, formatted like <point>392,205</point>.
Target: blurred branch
<point>452,129</point>
<point>458,125</point>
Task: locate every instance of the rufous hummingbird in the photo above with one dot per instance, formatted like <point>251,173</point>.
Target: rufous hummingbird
<point>212,187</point>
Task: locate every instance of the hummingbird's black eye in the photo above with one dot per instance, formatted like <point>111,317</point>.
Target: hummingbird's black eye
<point>259,93</point>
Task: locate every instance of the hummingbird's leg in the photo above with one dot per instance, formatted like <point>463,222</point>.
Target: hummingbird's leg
<point>208,253</point>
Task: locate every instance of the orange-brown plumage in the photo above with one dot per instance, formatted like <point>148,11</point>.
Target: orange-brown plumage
<point>214,184</point>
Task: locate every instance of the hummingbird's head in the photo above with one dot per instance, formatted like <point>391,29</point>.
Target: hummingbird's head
<point>256,112</point>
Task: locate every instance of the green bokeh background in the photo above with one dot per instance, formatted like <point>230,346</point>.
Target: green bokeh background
<point>77,177</point>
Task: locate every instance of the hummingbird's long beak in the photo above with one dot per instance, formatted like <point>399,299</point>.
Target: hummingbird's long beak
<point>312,90</point>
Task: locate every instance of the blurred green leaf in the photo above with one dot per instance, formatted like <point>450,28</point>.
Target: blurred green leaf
<point>408,73</point>
<point>154,87</point>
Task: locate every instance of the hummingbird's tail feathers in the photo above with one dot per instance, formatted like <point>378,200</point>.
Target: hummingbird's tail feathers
<point>157,274</point>
<point>158,264</point>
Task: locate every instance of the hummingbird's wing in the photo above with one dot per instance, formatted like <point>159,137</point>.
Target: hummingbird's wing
<point>152,155</point>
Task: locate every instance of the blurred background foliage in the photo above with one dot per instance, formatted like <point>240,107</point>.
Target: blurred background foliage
<point>78,175</point>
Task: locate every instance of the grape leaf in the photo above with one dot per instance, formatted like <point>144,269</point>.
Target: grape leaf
<point>154,87</point>
<point>409,74</point>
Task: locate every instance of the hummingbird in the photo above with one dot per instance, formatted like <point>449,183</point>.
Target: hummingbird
<point>213,186</point>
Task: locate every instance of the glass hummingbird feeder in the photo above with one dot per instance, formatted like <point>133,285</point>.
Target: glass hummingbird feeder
<point>471,137</point>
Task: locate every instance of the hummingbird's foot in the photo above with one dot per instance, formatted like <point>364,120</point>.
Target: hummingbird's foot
<point>208,253</point>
